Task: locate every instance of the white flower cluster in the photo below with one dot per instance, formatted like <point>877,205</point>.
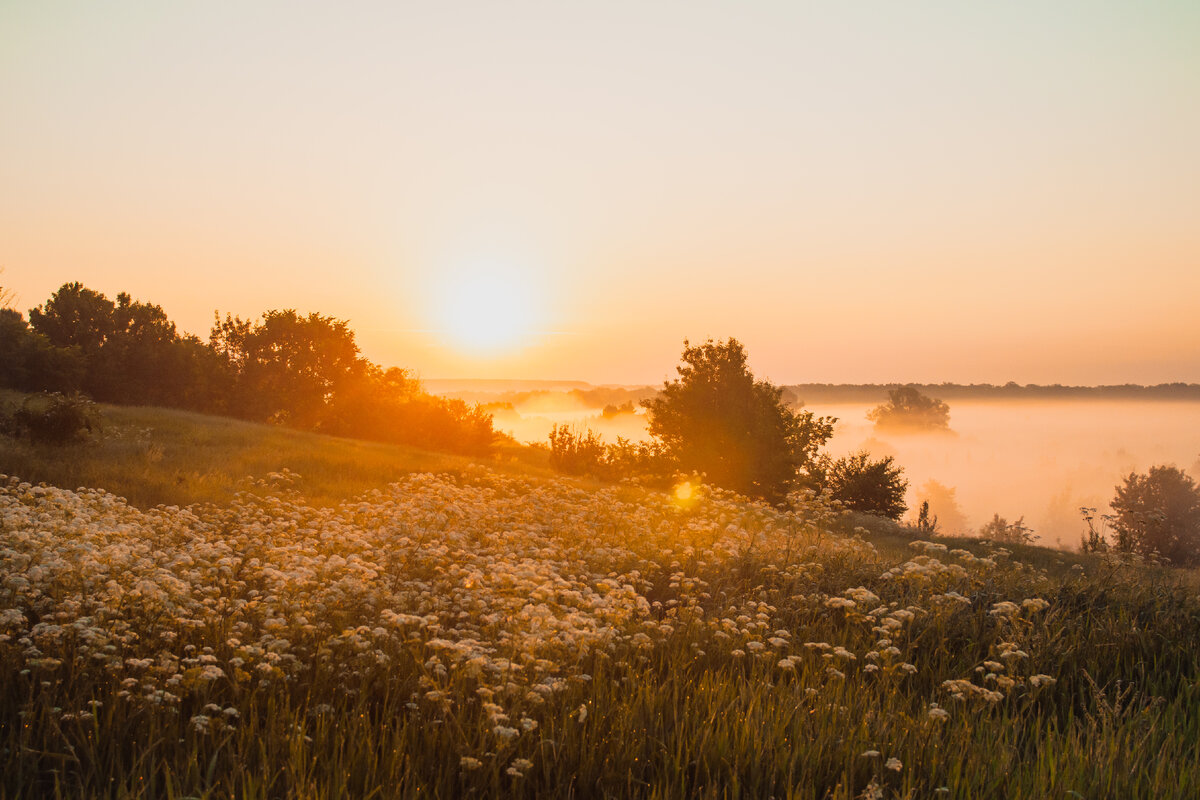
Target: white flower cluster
<point>493,592</point>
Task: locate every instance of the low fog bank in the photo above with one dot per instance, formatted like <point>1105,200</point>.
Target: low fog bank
<point>527,410</point>
<point>1037,459</point>
<point>1042,460</point>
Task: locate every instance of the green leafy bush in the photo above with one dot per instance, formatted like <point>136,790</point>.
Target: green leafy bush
<point>55,418</point>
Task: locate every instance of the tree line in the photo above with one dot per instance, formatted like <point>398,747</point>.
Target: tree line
<point>300,370</point>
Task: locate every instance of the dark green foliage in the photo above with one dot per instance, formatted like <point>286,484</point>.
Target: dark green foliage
<point>716,419</point>
<point>860,484</point>
<point>54,418</point>
<point>125,352</point>
<point>1158,513</point>
<point>908,408</point>
<point>29,362</point>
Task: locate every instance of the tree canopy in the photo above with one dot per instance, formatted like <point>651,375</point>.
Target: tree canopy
<point>716,418</point>
<point>301,370</point>
<point>907,408</point>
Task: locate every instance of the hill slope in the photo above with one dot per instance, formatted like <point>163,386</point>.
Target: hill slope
<point>154,455</point>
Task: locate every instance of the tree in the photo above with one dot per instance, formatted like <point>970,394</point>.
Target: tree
<point>75,316</point>
<point>1159,512</point>
<point>127,351</point>
<point>29,363</point>
<point>715,418</point>
<point>907,408</point>
<point>860,484</point>
<point>289,367</point>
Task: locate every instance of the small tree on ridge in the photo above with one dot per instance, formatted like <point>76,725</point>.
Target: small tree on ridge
<point>716,418</point>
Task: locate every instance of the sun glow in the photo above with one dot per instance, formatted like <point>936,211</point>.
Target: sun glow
<point>487,309</point>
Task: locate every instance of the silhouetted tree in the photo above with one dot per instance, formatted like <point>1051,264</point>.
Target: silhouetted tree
<point>1159,512</point>
<point>908,408</point>
<point>129,352</point>
<point>715,418</point>
<point>860,484</point>
<point>75,316</point>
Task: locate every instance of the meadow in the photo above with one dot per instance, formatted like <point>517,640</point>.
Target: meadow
<point>479,632</point>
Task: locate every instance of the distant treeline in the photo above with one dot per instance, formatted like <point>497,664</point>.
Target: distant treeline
<point>810,393</point>
<point>303,371</point>
<point>807,394</point>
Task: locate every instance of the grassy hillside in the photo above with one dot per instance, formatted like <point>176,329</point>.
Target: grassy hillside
<point>486,633</point>
<point>153,455</point>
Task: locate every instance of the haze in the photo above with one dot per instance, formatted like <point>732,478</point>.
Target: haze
<point>859,191</point>
<point>1037,460</point>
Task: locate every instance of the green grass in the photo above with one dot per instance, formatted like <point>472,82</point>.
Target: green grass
<point>153,456</point>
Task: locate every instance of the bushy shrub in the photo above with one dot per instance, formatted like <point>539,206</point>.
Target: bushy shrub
<point>576,453</point>
<point>55,418</point>
<point>860,484</point>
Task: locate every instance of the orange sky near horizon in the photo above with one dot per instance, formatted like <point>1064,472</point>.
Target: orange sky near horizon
<point>859,192</point>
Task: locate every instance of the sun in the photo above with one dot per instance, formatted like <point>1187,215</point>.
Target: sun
<point>488,308</point>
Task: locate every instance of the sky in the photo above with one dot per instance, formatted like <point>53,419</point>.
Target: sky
<point>857,191</point>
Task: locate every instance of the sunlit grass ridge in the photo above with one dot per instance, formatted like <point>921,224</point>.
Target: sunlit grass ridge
<point>488,634</point>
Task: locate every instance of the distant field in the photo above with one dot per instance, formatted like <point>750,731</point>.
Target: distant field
<point>153,455</point>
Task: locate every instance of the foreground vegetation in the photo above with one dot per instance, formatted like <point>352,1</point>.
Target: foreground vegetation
<point>484,634</point>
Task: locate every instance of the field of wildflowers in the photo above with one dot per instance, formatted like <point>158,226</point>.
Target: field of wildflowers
<point>495,635</point>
